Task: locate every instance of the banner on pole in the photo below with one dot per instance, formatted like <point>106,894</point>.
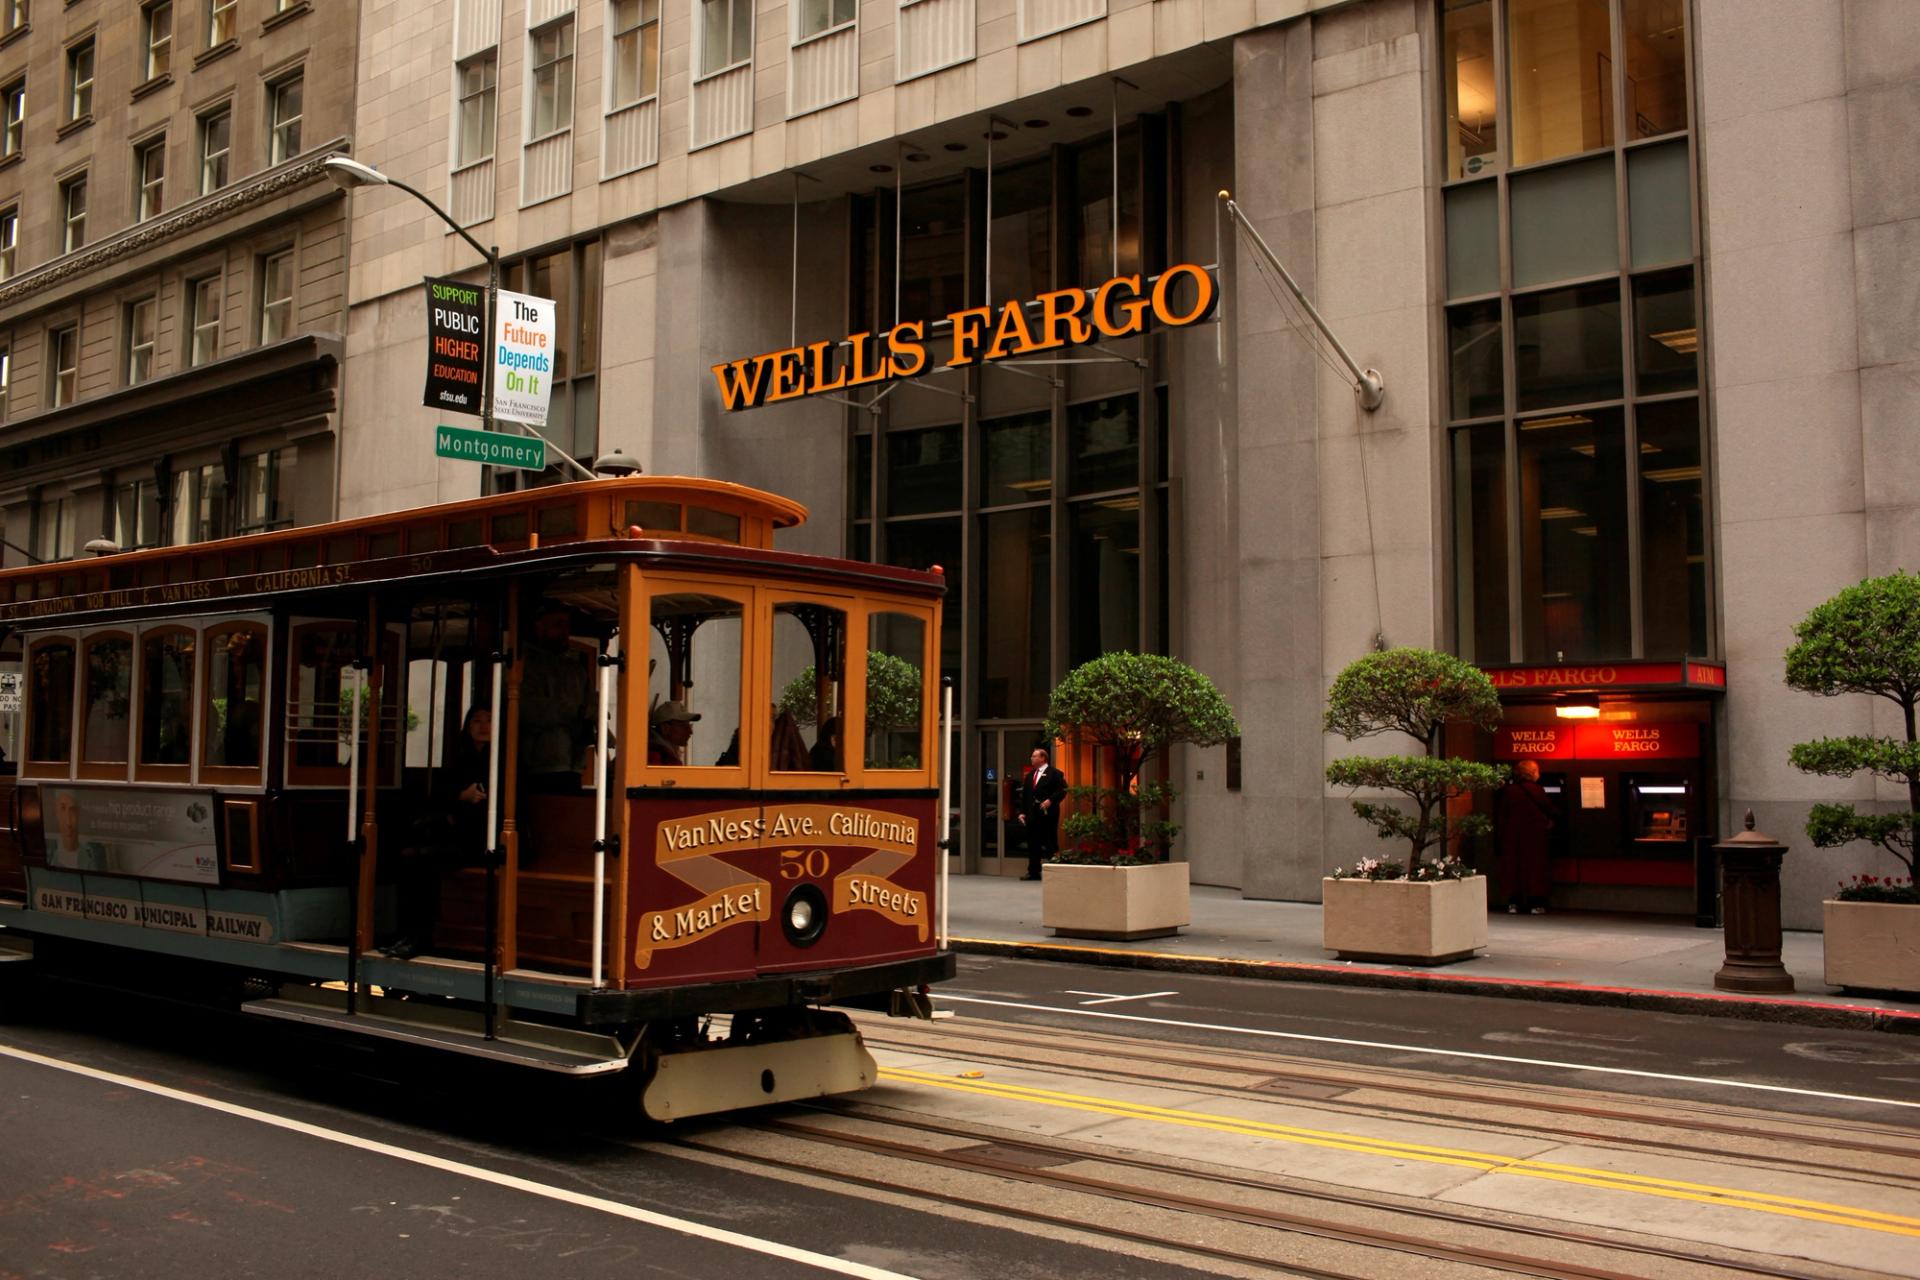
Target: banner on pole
<point>456,345</point>
<point>523,351</point>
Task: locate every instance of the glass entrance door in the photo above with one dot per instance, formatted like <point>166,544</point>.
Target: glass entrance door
<point>1003,758</point>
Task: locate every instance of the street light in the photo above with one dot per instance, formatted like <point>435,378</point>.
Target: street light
<point>347,174</point>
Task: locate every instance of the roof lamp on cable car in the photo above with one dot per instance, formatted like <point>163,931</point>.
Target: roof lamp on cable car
<point>609,465</point>
<point>1578,706</point>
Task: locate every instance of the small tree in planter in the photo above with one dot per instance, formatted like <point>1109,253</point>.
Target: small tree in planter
<point>1866,640</point>
<point>1135,705</point>
<point>1415,692</point>
<point>893,708</point>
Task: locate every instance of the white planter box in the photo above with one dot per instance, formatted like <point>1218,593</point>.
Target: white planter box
<point>1874,946</point>
<point>1424,922</point>
<point>1123,903</point>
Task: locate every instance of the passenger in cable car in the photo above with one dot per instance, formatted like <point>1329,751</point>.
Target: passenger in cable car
<point>464,784</point>
<point>826,746</point>
<point>671,729</point>
<point>453,835</point>
<point>556,691</point>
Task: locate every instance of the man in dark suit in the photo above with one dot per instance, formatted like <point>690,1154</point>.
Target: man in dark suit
<point>1045,788</point>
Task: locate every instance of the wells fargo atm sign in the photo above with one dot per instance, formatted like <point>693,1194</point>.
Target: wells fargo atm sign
<point>1179,296</point>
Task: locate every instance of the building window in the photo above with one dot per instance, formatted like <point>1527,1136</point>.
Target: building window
<point>53,529</point>
<point>73,206</point>
<point>203,319</point>
<point>283,120</point>
<point>571,277</point>
<point>216,140</point>
<point>276,296</point>
<point>136,515</point>
<point>6,379</point>
<point>636,51</point>
<point>150,177</point>
<point>9,241</point>
<point>726,34</point>
<point>551,86</point>
<point>16,15</point>
<point>1574,396</point>
<point>16,121</point>
<point>820,16</point>
<point>80,81</point>
<point>200,504</point>
<point>156,22</point>
<point>474,141</point>
<point>221,21</point>
<point>63,363</point>
<point>140,339</point>
<point>266,494</point>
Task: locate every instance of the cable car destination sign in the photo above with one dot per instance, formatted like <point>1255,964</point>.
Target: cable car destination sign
<point>1179,296</point>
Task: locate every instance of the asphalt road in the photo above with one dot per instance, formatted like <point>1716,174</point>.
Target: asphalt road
<point>1800,1069</point>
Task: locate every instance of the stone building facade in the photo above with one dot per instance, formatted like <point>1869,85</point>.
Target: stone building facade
<point>173,285</point>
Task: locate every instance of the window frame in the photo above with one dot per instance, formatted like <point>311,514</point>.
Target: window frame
<point>9,241</point>
<point>79,96</point>
<point>700,37</point>
<point>159,50</point>
<point>135,348</point>
<point>198,322</point>
<point>15,17</point>
<point>755,722</point>
<point>52,770</point>
<point>638,33</point>
<point>490,59</point>
<point>6,378</point>
<point>922,776</point>
<point>67,375</point>
<point>73,227</point>
<point>536,69</point>
<point>13,133</point>
<point>768,597</point>
<point>283,133</point>
<point>796,37</point>
<point>204,122</point>
<point>165,773</point>
<point>222,775</point>
<point>393,753</point>
<point>113,770</point>
<point>223,26</point>
<point>147,183</point>
<point>265,305</point>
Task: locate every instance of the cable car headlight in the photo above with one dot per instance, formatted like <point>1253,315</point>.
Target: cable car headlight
<point>804,917</point>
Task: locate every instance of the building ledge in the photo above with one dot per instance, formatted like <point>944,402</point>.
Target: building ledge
<point>74,126</point>
<point>7,162</point>
<point>256,364</point>
<point>18,33</point>
<point>221,50</point>
<point>281,19</point>
<point>154,85</point>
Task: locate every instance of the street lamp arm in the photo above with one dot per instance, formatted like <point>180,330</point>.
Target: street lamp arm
<point>444,217</point>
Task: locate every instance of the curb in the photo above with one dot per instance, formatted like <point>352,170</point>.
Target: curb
<point>1853,1017</point>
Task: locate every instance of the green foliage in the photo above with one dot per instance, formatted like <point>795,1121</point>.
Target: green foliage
<point>1134,705</point>
<point>893,694</point>
<point>1410,691</point>
<point>369,712</point>
<point>1415,692</point>
<point>1866,639</point>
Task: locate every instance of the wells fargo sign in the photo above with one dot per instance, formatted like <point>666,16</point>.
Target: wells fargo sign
<point>1613,675</point>
<point>1679,740</point>
<point>1120,308</point>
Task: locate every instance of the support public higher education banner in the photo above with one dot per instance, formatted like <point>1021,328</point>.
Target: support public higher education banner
<point>456,345</point>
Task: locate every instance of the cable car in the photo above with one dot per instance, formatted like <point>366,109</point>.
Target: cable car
<point>572,777</point>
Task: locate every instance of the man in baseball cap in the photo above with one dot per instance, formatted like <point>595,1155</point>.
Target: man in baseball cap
<point>671,727</point>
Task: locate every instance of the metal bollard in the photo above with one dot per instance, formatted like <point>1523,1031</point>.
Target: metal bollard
<point>1750,863</point>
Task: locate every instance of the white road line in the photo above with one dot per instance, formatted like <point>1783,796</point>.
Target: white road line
<point>1109,998</point>
<point>753,1244</point>
<point>1441,1053</point>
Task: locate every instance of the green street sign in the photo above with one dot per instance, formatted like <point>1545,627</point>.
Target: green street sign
<point>495,447</point>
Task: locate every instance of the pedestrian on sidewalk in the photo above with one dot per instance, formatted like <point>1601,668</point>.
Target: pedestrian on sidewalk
<point>1044,786</point>
<point>1523,818</point>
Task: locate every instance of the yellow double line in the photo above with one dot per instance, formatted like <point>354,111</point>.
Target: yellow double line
<point>1605,1179</point>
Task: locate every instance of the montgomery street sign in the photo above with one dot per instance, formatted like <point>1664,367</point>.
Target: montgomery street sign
<point>456,345</point>
<point>493,447</point>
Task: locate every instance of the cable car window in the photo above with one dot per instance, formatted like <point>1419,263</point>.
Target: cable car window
<point>166,697</point>
<point>693,680</point>
<point>560,522</point>
<point>382,546</point>
<point>896,690</point>
<point>107,700</point>
<point>654,517</point>
<point>318,727</point>
<point>464,533</point>
<point>235,696</point>
<point>50,665</point>
<point>809,672</point>
<point>713,524</point>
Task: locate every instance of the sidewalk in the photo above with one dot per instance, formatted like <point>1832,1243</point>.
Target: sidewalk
<point>1649,962</point>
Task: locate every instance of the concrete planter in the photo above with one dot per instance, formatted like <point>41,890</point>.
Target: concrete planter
<point>1115,903</point>
<point>1406,922</point>
<point>1874,946</point>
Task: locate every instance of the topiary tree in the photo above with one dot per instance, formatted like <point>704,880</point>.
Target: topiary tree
<point>893,695</point>
<point>1135,705</point>
<point>1864,640</point>
<point>1415,692</point>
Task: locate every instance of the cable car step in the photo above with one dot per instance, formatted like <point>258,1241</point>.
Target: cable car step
<point>556,1049</point>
